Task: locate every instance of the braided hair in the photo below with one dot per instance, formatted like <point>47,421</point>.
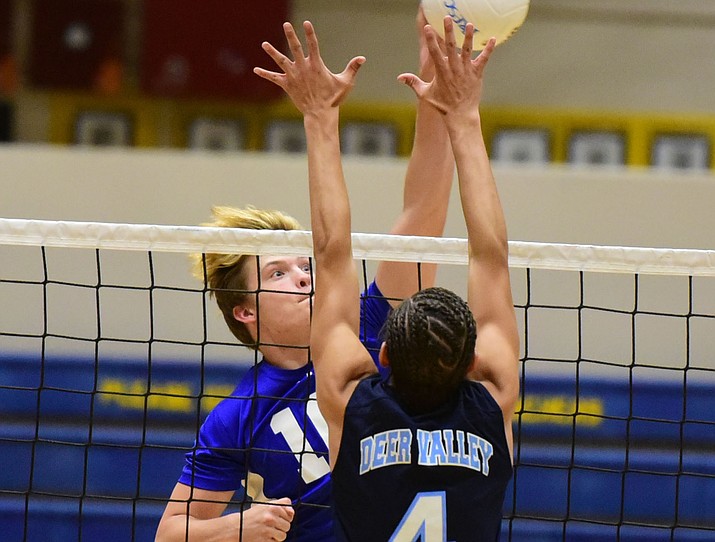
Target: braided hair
<point>430,341</point>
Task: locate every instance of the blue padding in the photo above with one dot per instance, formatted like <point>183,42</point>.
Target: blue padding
<point>167,392</point>
<point>63,463</point>
<point>130,390</point>
<point>527,530</point>
<point>52,519</point>
<point>628,457</point>
<point>599,485</point>
<point>596,484</point>
<point>653,412</point>
<point>59,520</point>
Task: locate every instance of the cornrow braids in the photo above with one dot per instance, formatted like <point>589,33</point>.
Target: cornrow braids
<point>430,340</point>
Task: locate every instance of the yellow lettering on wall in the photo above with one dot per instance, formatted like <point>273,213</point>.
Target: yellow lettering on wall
<point>133,395</point>
<point>561,410</point>
<point>165,396</point>
<point>172,397</point>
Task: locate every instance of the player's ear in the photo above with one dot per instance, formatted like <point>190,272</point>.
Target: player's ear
<point>244,314</point>
<point>382,356</point>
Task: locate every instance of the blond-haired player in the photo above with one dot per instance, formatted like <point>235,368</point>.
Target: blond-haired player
<point>269,438</point>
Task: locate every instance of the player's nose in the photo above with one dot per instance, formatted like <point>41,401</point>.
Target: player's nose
<point>304,279</point>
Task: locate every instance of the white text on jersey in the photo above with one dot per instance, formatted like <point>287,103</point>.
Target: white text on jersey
<point>442,447</point>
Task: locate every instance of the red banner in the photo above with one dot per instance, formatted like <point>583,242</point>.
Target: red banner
<point>77,44</point>
<point>208,48</point>
<point>8,66</point>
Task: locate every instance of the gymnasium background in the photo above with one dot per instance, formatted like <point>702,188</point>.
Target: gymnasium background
<point>133,137</point>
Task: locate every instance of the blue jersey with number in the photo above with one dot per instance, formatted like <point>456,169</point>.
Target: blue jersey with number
<point>435,477</point>
<point>269,439</point>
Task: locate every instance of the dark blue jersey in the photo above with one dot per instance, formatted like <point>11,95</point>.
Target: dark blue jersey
<point>436,477</point>
<point>269,439</point>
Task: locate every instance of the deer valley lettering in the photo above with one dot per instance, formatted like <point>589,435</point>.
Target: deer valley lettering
<point>442,447</point>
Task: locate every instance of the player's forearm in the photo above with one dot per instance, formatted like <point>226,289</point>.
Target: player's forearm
<point>482,207</point>
<point>329,204</point>
<point>428,184</point>
<point>430,171</point>
<point>428,180</point>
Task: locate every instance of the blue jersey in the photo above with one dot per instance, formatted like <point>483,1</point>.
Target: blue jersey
<point>435,477</point>
<point>373,314</point>
<point>269,438</point>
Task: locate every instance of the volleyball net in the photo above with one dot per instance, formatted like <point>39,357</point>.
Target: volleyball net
<point>112,354</point>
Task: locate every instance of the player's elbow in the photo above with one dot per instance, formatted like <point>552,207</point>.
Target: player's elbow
<point>510,392</point>
<point>173,524</point>
<point>162,532</point>
<point>331,402</point>
<point>495,253</point>
<point>509,388</point>
<point>329,248</point>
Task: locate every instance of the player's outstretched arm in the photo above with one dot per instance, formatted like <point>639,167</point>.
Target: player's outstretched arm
<point>427,188</point>
<point>339,358</point>
<point>457,91</point>
<point>196,514</point>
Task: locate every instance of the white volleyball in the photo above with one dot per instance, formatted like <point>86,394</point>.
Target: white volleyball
<point>491,18</point>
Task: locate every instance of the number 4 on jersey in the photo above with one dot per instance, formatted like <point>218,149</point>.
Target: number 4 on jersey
<point>425,519</point>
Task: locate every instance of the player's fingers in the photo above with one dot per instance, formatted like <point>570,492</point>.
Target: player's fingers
<point>481,61</point>
<point>434,49</point>
<point>451,42</point>
<point>412,81</point>
<point>311,39</point>
<point>282,519</point>
<point>296,48</point>
<point>279,58</point>
<point>281,524</point>
<point>353,66</point>
<point>468,43</point>
<point>285,508</point>
<point>421,89</point>
<point>273,77</point>
<point>442,44</point>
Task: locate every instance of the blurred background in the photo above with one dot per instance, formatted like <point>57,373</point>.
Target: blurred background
<point>591,101</point>
<point>599,117</point>
<point>178,73</point>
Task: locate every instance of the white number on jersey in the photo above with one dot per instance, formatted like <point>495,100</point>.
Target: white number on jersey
<point>425,519</point>
<point>312,466</point>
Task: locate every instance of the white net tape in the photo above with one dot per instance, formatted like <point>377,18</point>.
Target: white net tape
<point>365,246</point>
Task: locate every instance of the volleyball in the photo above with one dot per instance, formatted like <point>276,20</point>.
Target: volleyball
<point>491,18</point>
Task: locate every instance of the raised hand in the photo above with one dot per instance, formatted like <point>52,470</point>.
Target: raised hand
<point>426,72</point>
<point>457,85</point>
<point>307,81</point>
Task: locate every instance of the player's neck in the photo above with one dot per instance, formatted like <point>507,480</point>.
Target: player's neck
<point>284,357</point>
